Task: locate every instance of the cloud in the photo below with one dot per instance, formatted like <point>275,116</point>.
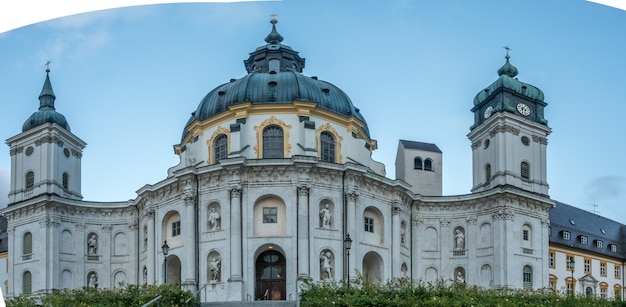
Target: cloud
<point>4,187</point>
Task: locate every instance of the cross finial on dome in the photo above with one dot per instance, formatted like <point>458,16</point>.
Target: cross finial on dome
<point>273,37</point>
<point>48,66</point>
<point>507,48</point>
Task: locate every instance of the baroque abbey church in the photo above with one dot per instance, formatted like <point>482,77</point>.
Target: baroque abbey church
<point>275,175</point>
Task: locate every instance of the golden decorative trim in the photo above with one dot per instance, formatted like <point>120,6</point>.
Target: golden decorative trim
<point>220,130</point>
<point>273,120</point>
<point>327,127</point>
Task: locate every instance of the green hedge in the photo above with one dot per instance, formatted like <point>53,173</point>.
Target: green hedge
<point>129,295</point>
<point>402,292</point>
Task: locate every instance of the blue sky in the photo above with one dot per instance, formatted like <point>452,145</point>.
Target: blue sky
<point>127,79</point>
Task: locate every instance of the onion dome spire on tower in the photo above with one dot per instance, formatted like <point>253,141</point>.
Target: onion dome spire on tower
<point>273,37</point>
<point>46,113</point>
<point>507,69</point>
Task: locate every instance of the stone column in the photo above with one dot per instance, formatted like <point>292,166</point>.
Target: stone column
<point>351,228</point>
<point>395,241</point>
<point>304,255</point>
<point>236,276</point>
<point>189,280</point>
<point>152,267</point>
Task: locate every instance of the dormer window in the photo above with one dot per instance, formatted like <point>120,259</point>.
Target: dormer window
<point>566,235</point>
<point>613,248</point>
<point>583,239</point>
<point>599,243</point>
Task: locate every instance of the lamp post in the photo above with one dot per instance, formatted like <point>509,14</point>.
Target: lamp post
<point>571,267</point>
<point>347,243</point>
<point>165,249</point>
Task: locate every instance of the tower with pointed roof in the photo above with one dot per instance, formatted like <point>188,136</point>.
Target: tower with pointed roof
<point>46,155</point>
<point>509,135</point>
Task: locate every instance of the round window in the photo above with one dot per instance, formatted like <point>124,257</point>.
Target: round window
<point>525,140</point>
<point>486,143</point>
<point>29,151</point>
<point>66,152</point>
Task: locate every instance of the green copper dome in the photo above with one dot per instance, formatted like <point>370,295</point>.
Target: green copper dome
<point>507,80</point>
<point>275,77</point>
<point>46,112</point>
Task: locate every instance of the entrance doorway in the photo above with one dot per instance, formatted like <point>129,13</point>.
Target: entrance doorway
<point>270,276</point>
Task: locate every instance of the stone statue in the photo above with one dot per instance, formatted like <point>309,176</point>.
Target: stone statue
<point>214,219</point>
<point>326,266</point>
<point>145,275</point>
<point>402,235</point>
<point>460,239</point>
<point>459,277</point>
<point>145,238</point>
<point>92,245</point>
<point>214,269</point>
<point>325,216</point>
<point>93,280</point>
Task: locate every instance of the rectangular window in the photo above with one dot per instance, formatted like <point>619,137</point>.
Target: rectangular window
<point>613,248</point>
<point>618,272</point>
<point>603,292</point>
<point>551,255</point>
<point>599,243</point>
<point>566,235</point>
<point>270,215</point>
<point>568,263</point>
<point>369,224</point>
<point>176,228</point>
<point>570,287</point>
<point>525,234</point>
<point>583,239</point>
<point>603,269</point>
<point>587,265</point>
<point>552,285</point>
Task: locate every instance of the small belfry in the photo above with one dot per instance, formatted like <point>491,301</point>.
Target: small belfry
<point>509,134</point>
<point>46,156</point>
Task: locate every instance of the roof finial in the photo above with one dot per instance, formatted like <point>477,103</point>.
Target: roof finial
<point>507,57</point>
<point>273,37</point>
<point>48,66</point>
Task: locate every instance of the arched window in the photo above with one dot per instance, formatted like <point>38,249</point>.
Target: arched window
<point>428,165</point>
<point>220,147</point>
<point>487,172</point>
<point>66,180</point>
<point>27,283</point>
<point>273,142</point>
<point>27,247</point>
<point>528,277</point>
<point>327,147</point>
<point>274,65</point>
<point>417,163</point>
<point>525,170</point>
<point>30,180</point>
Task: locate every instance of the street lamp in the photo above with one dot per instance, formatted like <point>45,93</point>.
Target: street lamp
<point>347,243</point>
<point>165,249</point>
<point>571,266</point>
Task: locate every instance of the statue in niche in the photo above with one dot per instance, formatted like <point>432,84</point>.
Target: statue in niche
<point>459,238</point>
<point>92,245</point>
<point>404,269</point>
<point>403,234</point>
<point>326,266</point>
<point>459,277</point>
<point>145,275</point>
<point>93,280</point>
<point>325,216</point>
<point>214,219</point>
<point>215,268</point>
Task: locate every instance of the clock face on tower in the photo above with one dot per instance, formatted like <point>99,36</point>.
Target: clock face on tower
<point>488,112</point>
<point>523,109</point>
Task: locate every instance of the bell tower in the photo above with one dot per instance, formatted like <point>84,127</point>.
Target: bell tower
<point>509,135</point>
<point>46,156</point>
